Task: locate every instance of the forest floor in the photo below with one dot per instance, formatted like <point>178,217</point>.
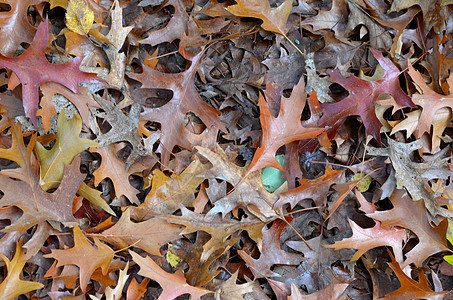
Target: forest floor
<point>261,149</point>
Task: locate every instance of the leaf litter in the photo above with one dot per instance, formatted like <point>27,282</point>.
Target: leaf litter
<point>226,149</point>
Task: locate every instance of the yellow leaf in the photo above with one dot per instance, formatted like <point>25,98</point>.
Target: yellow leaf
<point>68,144</point>
<point>172,258</point>
<point>13,286</point>
<point>364,183</point>
<point>79,17</point>
<point>61,3</point>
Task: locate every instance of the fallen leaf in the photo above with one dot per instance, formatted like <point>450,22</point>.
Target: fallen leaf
<point>114,168</point>
<point>219,229</point>
<point>250,194</point>
<point>411,289</point>
<point>284,129</point>
<point>12,286</point>
<point>79,16</point>
<point>168,193</point>
<point>362,96</point>
<point>39,206</point>
<point>315,189</point>
<point>173,285</point>
<point>271,253</point>
<point>412,176</point>
<point>32,68</point>
<point>171,115</point>
<point>148,235</point>
<point>431,239</point>
<point>67,145</point>
<point>85,256</point>
<point>14,25</point>
<point>332,291</point>
<point>274,19</point>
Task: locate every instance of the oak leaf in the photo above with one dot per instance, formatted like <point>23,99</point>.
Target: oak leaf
<point>32,69</point>
<point>364,239</point>
<point>201,273</point>
<point>411,289</point>
<point>14,25</point>
<point>148,235</point>
<point>315,189</point>
<point>13,286</point>
<point>333,19</point>
<point>250,194</point>
<point>431,239</point>
<point>124,128</point>
<point>10,108</point>
<point>434,107</point>
<point>168,193</point>
<point>284,129</point>
<point>82,101</point>
<point>85,256</point>
<point>271,253</point>
<point>114,168</point>
<point>274,19</point>
<point>419,173</point>
<point>117,292</point>
<point>219,229</point>
<point>173,30</point>
<point>332,291</point>
<point>116,37</point>
<point>18,152</point>
<point>67,145</point>
<point>229,290</point>
<point>37,205</point>
<point>362,97</point>
<point>185,99</point>
<point>173,285</point>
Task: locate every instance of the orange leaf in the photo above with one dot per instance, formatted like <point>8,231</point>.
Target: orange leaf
<point>85,256</point>
<point>274,19</point>
<point>12,286</point>
<point>284,129</point>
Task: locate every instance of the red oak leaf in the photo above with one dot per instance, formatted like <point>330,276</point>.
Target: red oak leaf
<point>32,69</point>
<point>284,129</point>
<point>185,99</point>
<point>362,97</point>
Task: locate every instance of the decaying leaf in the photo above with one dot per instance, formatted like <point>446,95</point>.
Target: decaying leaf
<point>168,193</point>
<point>79,16</point>
<point>250,194</point>
<point>431,239</point>
<point>114,168</point>
<point>185,99</point>
<point>412,176</point>
<point>271,253</point>
<point>411,289</point>
<point>124,128</point>
<point>219,229</point>
<point>363,95</point>
<point>364,239</point>
<point>39,206</point>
